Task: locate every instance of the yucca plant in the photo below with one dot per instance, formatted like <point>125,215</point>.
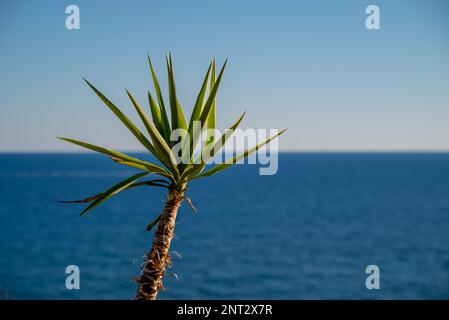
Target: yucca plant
<point>174,175</point>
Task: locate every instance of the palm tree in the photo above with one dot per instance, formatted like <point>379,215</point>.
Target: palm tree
<point>173,174</point>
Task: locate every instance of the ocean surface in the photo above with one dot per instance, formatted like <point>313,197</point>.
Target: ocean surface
<point>307,232</point>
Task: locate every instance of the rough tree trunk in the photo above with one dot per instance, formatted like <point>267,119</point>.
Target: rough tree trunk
<point>153,268</point>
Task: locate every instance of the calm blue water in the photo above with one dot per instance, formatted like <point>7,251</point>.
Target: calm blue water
<point>307,232</point>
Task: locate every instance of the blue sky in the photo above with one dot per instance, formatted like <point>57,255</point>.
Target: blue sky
<point>310,66</point>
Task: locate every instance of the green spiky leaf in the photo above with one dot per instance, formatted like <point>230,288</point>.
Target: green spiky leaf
<point>208,105</point>
<point>153,223</point>
<point>164,118</point>
<point>153,183</point>
<point>178,120</point>
<point>211,119</point>
<point>161,150</point>
<point>196,112</point>
<point>124,119</point>
<point>122,158</point>
<point>156,114</point>
<point>209,153</point>
<point>235,159</point>
<point>114,190</point>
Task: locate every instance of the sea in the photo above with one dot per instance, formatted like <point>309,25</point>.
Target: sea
<point>325,226</point>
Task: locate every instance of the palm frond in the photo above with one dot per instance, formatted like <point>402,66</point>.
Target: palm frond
<point>208,106</point>
<point>178,120</point>
<point>153,183</point>
<point>156,114</point>
<point>211,119</point>
<point>210,151</point>
<point>196,112</point>
<point>164,118</point>
<point>122,158</point>
<point>113,191</point>
<point>153,223</point>
<point>161,150</point>
<point>235,159</point>
<point>124,119</point>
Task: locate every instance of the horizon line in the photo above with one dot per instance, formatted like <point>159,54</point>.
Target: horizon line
<point>5,152</point>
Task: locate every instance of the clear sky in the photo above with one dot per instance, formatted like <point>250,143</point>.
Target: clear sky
<point>311,66</point>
